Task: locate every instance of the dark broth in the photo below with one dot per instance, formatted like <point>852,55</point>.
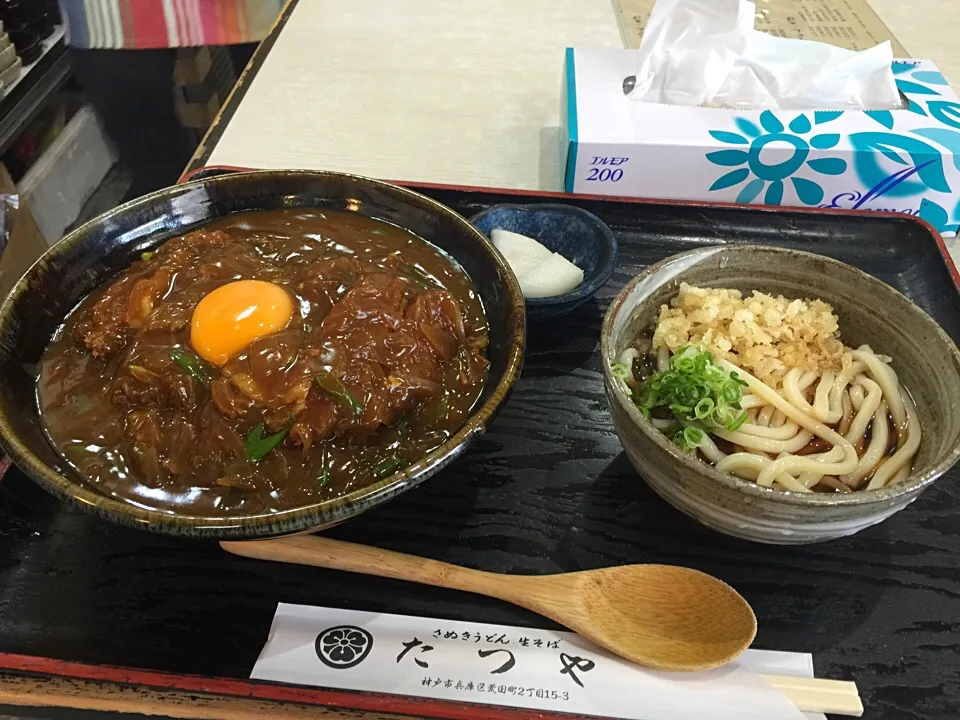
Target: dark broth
<point>382,361</point>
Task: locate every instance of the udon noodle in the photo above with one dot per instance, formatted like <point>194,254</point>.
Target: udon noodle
<point>824,417</point>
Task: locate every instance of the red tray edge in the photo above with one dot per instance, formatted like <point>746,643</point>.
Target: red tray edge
<point>46,667</point>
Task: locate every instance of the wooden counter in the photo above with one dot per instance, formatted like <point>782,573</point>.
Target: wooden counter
<point>464,93</point>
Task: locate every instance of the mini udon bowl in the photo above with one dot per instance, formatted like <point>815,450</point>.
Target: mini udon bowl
<point>91,255</point>
<point>870,312</point>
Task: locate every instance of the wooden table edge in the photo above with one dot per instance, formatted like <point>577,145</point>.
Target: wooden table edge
<point>210,139</point>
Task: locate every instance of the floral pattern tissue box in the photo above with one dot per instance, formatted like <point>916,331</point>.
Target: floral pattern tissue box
<point>904,161</point>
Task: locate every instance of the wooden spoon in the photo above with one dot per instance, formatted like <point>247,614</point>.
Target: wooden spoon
<point>660,616</point>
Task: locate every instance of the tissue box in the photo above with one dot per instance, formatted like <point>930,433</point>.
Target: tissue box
<point>904,160</point>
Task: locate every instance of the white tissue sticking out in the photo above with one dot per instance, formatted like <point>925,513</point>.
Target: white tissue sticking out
<point>540,272</point>
<point>707,52</point>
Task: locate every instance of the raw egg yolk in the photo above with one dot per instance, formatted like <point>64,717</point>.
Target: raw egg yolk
<point>231,317</point>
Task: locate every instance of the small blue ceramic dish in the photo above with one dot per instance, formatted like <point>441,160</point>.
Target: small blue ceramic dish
<point>581,237</point>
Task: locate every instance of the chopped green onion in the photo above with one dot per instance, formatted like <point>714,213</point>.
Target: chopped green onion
<point>194,366</point>
<point>146,256</point>
<point>79,450</point>
<point>388,467</point>
<point>335,388</point>
<point>324,478</point>
<point>704,408</point>
<point>689,437</point>
<point>307,328</point>
<point>731,391</point>
<point>258,446</point>
<point>734,425</point>
<point>698,393</point>
<point>327,463</point>
<point>437,412</point>
<point>694,436</point>
<point>619,370</point>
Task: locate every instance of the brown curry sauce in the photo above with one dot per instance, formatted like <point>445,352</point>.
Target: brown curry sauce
<point>381,362</point>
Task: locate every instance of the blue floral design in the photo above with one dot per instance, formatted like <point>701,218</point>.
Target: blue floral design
<point>824,116</point>
<point>924,83</point>
<point>901,152</point>
<point>894,164</point>
<point>884,117</point>
<point>897,165</point>
<point>931,77</point>
<point>915,107</point>
<point>938,217</point>
<point>919,81</point>
<point>768,179</point>
<point>911,88</point>
<point>950,139</point>
<point>946,112</point>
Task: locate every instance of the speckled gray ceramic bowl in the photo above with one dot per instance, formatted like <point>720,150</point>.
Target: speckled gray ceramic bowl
<point>90,255</point>
<point>870,311</point>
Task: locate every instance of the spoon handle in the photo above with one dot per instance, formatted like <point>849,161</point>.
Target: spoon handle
<point>338,555</point>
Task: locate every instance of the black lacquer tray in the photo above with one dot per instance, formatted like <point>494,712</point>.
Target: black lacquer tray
<point>547,489</point>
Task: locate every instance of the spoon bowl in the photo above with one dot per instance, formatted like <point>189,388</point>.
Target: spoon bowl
<point>659,616</point>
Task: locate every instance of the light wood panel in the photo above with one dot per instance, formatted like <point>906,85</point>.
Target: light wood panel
<point>464,92</point>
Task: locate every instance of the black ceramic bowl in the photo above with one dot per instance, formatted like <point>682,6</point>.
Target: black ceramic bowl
<point>91,255</point>
<point>581,237</point>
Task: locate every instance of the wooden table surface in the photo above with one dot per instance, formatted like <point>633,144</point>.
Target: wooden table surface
<point>463,93</point>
